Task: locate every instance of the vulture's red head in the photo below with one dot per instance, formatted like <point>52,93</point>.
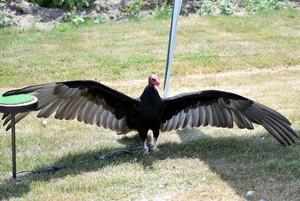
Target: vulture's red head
<point>153,81</point>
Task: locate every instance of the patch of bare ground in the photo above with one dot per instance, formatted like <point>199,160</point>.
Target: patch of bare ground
<point>22,14</point>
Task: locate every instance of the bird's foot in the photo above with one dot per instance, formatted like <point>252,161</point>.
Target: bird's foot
<point>149,147</point>
<point>146,150</point>
<point>153,147</point>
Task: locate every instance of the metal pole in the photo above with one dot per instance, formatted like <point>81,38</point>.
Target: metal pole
<point>176,10</point>
<point>13,146</point>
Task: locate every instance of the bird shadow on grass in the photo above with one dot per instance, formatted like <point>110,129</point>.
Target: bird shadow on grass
<point>239,161</point>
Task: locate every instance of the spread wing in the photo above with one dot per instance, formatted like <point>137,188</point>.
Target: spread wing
<point>223,109</point>
<point>87,101</point>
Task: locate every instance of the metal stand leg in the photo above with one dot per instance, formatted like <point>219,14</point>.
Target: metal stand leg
<point>13,146</point>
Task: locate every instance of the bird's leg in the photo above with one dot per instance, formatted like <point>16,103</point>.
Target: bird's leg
<point>146,148</point>
<point>143,135</point>
<point>153,146</point>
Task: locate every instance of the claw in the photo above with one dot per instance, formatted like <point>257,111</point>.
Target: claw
<point>153,147</point>
<point>150,147</point>
<point>146,149</point>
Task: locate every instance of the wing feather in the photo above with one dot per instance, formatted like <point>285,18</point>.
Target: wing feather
<point>100,113</point>
<point>92,115</point>
<point>81,111</point>
<point>49,109</point>
<point>87,111</point>
<point>61,109</point>
<point>214,119</point>
<point>181,120</point>
<point>208,115</point>
<point>73,111</point>
<point>87,101</point>
<point>104,116</point>
<point>223,109</point>
<point>203,116</point>
<point>282,129</point>
<point>109,120</point>
<point>195,116</point>
<point>18,118</point>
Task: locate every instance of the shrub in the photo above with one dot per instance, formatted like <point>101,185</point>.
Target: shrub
<point>100,19</point>
<point>265,5</point>
<point>76,19</point>
<point>227,8</point>
<point>3,21</point>
<point>62,3</point>
<point>208,7</point>
<point>133,8</point>
<point>163,12</point>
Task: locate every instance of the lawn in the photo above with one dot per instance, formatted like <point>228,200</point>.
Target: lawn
<point>256,56</point>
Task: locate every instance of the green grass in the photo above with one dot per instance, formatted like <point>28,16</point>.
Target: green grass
<point>256,56</point>
<point>136,49</point>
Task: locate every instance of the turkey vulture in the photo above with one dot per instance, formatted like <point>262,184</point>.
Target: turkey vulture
<point>97,104</point>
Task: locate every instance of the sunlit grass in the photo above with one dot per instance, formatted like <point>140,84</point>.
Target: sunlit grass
<point>245,55</point>
<point>115,51</point>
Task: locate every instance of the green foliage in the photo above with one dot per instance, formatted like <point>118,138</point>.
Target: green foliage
<point>2,16</point>
<point>162,12</point>
<point>265,5</point>
<point>3,21</point>
<point>62,3</point>
<point>208,7</point>
<point>76,19</point>
<point>133,8</point>
<point>100,19</point>
<point>227,8</point>
<point>62,27</point>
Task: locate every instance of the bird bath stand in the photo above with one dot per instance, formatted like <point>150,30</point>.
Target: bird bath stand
<point>16,104</point>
